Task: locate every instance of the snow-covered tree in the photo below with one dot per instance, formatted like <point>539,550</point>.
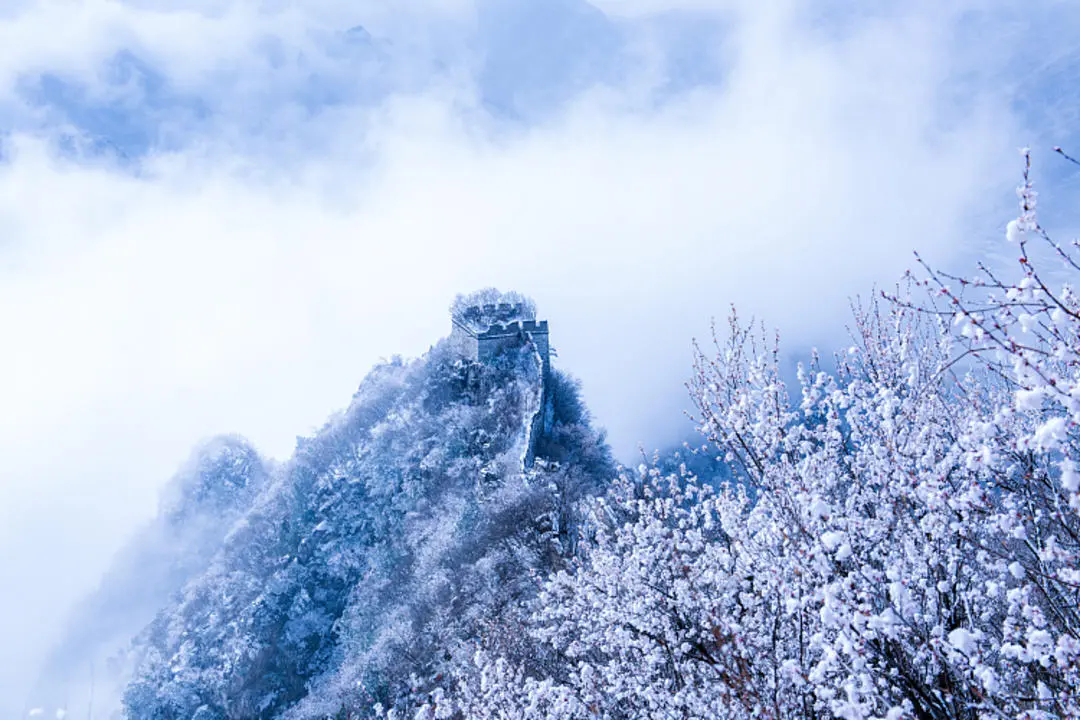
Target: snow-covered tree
<point>901,540</point>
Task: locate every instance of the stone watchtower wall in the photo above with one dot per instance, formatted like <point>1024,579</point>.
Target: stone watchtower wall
<point>482,333</point>
<point>499,338</point>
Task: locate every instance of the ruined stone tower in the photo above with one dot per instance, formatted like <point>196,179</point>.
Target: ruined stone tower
<point>486,324</point>
<point>481,332</point>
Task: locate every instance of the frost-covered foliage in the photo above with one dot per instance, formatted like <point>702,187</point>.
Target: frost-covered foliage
<point>220,479</point>
<point>903,540</point>
<point>198,506</point>
<point>481,308</point>
<point>405,528</point>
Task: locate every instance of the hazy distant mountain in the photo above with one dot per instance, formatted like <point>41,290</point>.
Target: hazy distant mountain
<point>520,61</point>
<point>199,506</point>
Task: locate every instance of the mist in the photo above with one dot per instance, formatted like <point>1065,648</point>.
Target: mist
<point>225,233</point>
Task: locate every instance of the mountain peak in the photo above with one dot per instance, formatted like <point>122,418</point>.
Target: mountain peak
<point>411,522</point>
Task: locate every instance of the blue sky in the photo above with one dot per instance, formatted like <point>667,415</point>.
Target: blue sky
<point>215,216</point>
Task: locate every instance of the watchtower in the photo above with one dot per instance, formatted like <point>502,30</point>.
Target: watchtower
<point>485,325</point>
<point>482,332</point>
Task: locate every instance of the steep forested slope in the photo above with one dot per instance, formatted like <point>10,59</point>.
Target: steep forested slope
<point>409,526</point>
<point>198,507</point>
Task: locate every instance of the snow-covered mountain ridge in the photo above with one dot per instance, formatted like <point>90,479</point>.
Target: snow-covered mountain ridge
<point>413,522</point>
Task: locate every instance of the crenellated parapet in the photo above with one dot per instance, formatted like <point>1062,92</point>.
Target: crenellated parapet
<point>482,332</point>
<point>513,328</point>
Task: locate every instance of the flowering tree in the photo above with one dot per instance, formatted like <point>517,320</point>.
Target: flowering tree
<point>1026,333</point>
<point>902,539</point>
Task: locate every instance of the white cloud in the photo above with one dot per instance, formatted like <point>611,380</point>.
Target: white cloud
<point>226,290</point>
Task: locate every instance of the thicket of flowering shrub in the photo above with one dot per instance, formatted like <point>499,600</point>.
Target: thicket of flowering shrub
<point>903,540</point>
